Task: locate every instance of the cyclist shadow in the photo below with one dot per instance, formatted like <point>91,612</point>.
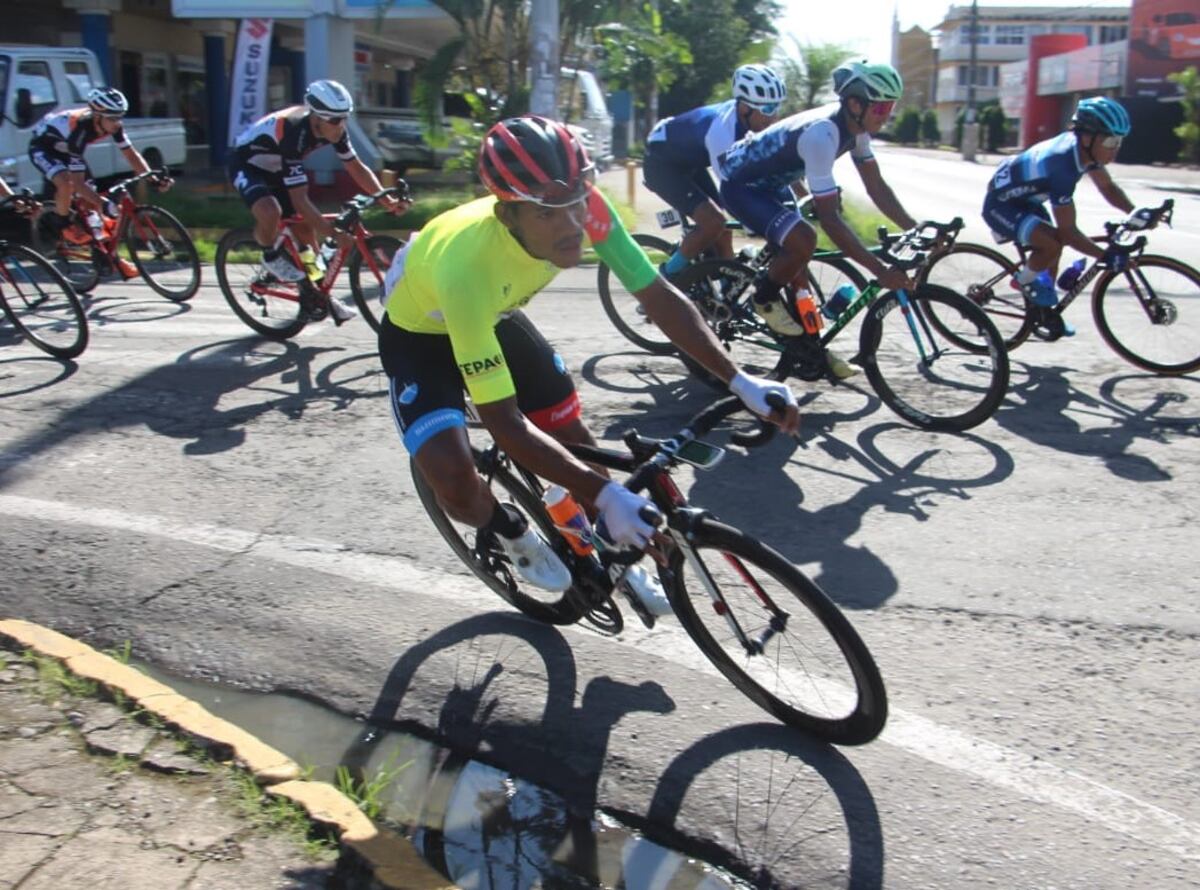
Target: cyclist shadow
<point>565,750</point>
<point>105,306</point>
<point>260,377</point>
<point>795,815</point>
<point>1048,410</point>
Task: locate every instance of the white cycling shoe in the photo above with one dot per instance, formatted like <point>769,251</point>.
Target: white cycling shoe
<point>536,561</point>
<point>645,593</point>
<point>341,312</point>
<point>283,268</point>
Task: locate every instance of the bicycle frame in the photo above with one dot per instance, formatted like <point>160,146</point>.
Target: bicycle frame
<point>126,216</point>
<point>336,263</point>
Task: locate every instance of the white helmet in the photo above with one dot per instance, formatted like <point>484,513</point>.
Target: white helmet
<point>758,85</point>
<point>107,100</point>
<point>328,98</point>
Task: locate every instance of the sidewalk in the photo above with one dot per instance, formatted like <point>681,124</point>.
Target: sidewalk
<point>91,797</point>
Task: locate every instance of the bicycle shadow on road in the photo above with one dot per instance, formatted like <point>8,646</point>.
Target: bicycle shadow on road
<point>1047,409</point>
<point>210,394</point>
<point>492,659</point>
<point>888,465</point>
<point>56,370</point>
<point>797,828</point>
<point>107,306</point>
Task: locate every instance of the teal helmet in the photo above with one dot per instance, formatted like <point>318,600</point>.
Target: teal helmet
<point>1102,115</point>
<point>873,83</point>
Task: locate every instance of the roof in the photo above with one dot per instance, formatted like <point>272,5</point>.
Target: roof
<point>957,14</point>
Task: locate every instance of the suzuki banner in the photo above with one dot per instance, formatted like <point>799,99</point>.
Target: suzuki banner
<point>251,61</point>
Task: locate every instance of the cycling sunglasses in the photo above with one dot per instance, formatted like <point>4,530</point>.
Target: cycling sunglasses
<point>882,109</point>
<point>770,109</point>
<point>559,194</point>
<point>1111,142</point>
<point>333,118</point>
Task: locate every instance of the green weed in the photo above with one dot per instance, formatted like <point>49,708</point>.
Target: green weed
<point>367,792</point>
<point>280,814</point>
<point>54,679</point>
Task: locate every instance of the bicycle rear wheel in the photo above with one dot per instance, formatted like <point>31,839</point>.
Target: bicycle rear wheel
<point>806,665</point>
<point>488,562</point>
<point>163,252</point>
<point>267,305</point>
<point>1150,314</point>
<point>366,278</point>
<point>40,302</point>
<point>74,262</point>
<point>983,276</point>
<point>623,308</point>
<point>932,380</point>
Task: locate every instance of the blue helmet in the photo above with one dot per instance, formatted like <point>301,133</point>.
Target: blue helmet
<point>1101,115</point>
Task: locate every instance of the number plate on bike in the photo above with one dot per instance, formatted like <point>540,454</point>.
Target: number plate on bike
<point>667,218</point>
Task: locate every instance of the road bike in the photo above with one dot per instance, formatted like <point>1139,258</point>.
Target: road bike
<point>38,300</point>
<point>762,622</point>
<point>278,309</point>
<point>150,238</point>
<point>1149,313</point>
<point>931,355</point>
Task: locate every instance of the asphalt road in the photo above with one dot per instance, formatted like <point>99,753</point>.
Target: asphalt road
<point>243,510</point>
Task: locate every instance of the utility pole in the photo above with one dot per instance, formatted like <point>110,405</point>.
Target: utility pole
<point>543,58</point>
<point>970,137</point>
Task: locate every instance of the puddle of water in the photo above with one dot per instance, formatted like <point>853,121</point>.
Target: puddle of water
<point>484,828</point>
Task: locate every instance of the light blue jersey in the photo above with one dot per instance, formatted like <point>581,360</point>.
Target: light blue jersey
<point>1048,171</point>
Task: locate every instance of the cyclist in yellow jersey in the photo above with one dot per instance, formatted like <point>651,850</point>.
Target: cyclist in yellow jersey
<point>453,319</point>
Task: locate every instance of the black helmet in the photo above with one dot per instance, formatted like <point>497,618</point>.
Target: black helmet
<point>530,158</point>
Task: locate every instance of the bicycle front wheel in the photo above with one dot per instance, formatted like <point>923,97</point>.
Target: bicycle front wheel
<point>40,302</point>
<point>775,635</point>
<point>267,305</point>
<point>1150,314</point>
<point>984,276</point>
<point>489,562</point>
<point>367,274</point>
<point>163,252</point>
<point>932,380</point>
<point>623,308</point>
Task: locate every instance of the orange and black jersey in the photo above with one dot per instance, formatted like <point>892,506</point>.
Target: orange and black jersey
<point>71,130</point>
<point>279,142</point>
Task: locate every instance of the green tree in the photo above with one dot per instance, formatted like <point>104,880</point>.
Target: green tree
<point>993,126</point>
<point>1189,131</point>
<point>907,128</point>
<point>640,55</point>
<point>808,73</point>
<point>930,134</point>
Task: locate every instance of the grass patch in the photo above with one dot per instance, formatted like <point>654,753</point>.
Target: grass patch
<point>53,678</point>
<point>865,220</point>
<point>280,814</point>
<point>367,792</point>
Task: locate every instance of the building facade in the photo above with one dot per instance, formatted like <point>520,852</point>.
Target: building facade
<point>1003,35</point>
<point>914,58</point>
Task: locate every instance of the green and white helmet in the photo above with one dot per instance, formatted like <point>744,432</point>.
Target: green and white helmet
<point>874,83</point>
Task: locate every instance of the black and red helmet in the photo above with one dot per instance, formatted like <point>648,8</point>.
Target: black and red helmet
<point>531,158</point>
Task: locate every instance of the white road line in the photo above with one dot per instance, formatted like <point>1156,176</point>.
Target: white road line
<point>939,744</point>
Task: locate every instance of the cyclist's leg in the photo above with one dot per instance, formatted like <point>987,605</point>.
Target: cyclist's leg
<point>692,194</point>
<point>55,167</point>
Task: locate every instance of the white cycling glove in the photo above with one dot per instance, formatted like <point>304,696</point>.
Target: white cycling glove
<point>619,508</point>
<point>1139,219</point>
<point>753,392</point>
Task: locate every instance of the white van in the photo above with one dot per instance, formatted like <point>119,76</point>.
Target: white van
<point>35,80</point>
<point>584,109</point>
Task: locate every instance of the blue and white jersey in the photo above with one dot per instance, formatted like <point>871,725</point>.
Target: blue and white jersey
<point>1048,171</point>
<point>693,140</point>
<point>801,147</point>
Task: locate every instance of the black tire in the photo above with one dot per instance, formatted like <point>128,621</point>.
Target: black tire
<point>75,262</point>
<point>749,341</point>
<point>163,252</point>
<point>544,606</point>
<point>366,283</point>
<point>955,386</point>
<point>624,310</point>
<point>273,310</point>
<point>40,303</point>
<point>834,689</point>
<point>1163,338</point>
<point>984,277</point>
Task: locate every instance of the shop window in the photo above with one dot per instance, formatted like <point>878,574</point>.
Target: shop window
<point>155,94</point>
<point>193,99</point>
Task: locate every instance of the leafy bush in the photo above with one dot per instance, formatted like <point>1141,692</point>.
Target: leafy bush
<point>907,127</point>
<point>930,134</point>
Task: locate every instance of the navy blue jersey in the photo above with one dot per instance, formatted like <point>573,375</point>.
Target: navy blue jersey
<point>800,147</point>
<point>693,140</point>
<point>1048,171</point>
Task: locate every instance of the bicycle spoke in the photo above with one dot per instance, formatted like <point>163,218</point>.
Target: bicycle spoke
<point>1150,315</point>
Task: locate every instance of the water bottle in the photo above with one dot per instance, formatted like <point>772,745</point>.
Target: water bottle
<point>569,519</point>
<point>328,249</point>
<point>839,300</point>
<point>1071,274</point>
<point>96,224</point>
<point>309,259</point>
<point>809,316</point>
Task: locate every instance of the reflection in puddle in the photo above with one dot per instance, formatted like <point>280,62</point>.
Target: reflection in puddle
<point>483,827</point>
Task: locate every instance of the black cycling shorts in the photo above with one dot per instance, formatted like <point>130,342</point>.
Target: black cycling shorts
<point>254,183</point>
<point>51,162</point>
<point>426,386</point>
<point>684,188</point>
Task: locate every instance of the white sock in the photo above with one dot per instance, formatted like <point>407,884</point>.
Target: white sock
<point>1025,275</point>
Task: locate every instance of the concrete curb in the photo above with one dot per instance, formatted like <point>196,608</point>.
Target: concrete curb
<point>387,856</point>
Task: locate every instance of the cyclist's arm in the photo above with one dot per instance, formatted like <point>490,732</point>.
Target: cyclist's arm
<point>308,210</point>
<point>681,322</point>
<point>1113,193</point>
<point>364,177</point>
<point>136,162</point>
<point>882,195</point>
<point>1064,220</point>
